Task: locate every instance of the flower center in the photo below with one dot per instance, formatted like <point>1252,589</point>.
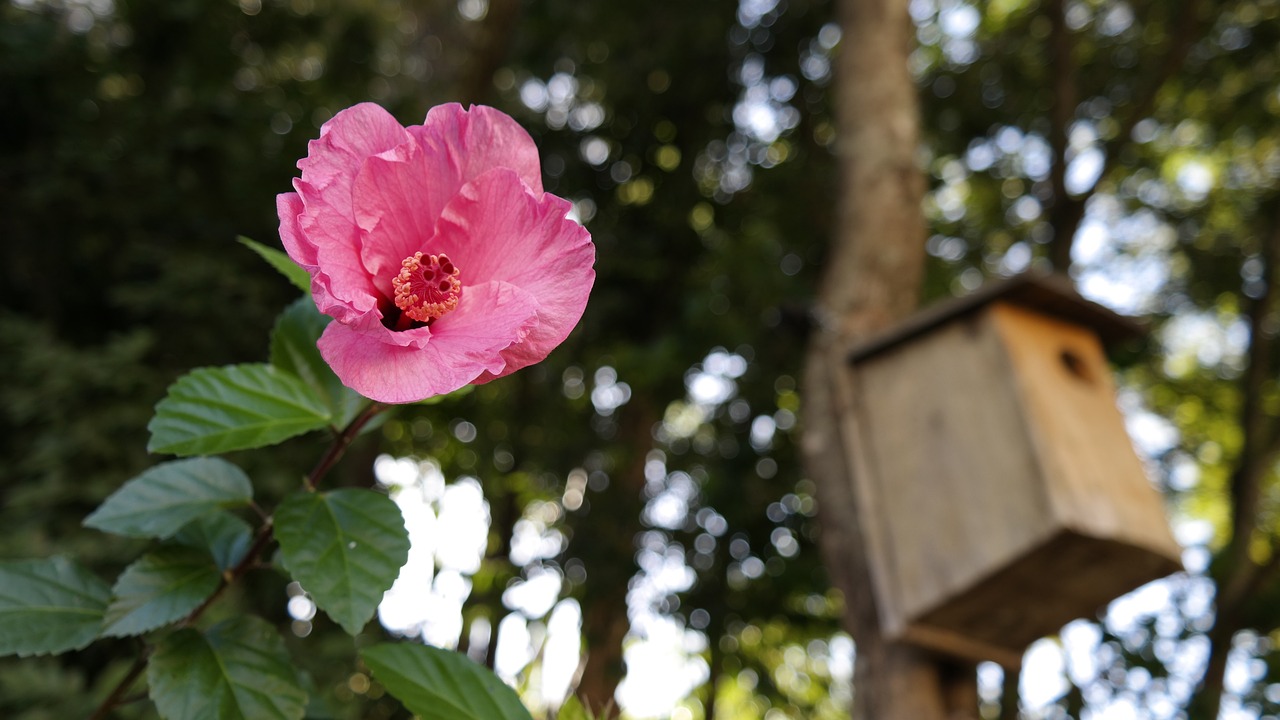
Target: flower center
<point>427,287</point>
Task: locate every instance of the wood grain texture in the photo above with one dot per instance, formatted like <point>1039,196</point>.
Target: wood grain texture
<point>1093,474</point>
<point>1002,497</point>
<point>951,466</point>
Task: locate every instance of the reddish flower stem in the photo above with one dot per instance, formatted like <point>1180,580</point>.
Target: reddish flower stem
<point>113,699</point>
<point>340,444</point>
<point>341,441</point>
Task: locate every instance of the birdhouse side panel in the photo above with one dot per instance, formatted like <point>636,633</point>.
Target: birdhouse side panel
<point>1095,479</point>
<point>951,474</point>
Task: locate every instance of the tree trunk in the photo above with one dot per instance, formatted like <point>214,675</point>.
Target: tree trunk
<point>610,561</point>
<point>872,279</point>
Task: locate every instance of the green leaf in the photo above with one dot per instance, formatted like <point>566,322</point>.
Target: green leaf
<point>237,407</point>
<point>317,707</point>
<point>49,606</point>
<point>442,685</point>
<point>238,669</point>
<point>345,547</point>
<point>224,536</point>
<point>572,709</point>
<point>160,501</point>
<point>285,265</point>
<point>293,349</point>
<point>159,588</point>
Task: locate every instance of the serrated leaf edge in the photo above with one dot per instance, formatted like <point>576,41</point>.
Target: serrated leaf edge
<point>317,409</point>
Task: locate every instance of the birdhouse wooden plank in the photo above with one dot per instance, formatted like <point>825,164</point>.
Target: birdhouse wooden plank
<point>1000,496</point>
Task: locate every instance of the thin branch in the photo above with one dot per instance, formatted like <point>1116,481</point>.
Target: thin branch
<point>1206,703</point>
<point>1258,453</point>
<point>340,444</point>
<point>1259,447</point>
<point>246,563</point>
<point>117,693</point>
<point>1066,211</point>
<point>250,560</point>
<point>257,510</point>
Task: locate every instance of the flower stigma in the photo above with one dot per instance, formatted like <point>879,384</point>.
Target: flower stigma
<point>427,287</point>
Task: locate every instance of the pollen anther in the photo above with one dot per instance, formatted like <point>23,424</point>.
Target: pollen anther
<point>427,287</point>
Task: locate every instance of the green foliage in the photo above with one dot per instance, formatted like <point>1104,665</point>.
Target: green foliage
<point>573,709</point>
<point>159,588</point>
<point>236,670</point>
<point>49,606</point>
<point>160,501</point>
<point>438,684</point>
<point>238,407</point>
<point>48,688</point>
<point>135,150</point>
<point>222,535</point>
<point>345,547</point>
<point>281,262</point>
<point>293,349</point>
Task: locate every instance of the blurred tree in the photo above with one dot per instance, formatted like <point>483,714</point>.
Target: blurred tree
<point>1140,146</point>
<point>871,280</point>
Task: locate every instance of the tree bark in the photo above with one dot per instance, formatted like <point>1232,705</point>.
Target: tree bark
<point>871,279</point>
<point>1066,212</point>
<point>1241,577</point>
<point>610,564</point>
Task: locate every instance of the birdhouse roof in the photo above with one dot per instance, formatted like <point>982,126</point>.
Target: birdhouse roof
<point>1050,293</point>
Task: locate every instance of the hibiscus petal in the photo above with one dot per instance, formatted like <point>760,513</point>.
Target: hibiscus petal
<point>345,141</point>
<point>463,145</point>
<point>313,236</point>
<point>394,194</point>
<point>454,351</point>
<point>498,229</point>
<point>322,235</point>
<point>288,207</point>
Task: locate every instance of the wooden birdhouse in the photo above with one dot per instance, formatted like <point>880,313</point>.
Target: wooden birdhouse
<point>1000,496</point>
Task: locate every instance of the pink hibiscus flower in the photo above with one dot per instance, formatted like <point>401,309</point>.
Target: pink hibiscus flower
<point>435,250</point>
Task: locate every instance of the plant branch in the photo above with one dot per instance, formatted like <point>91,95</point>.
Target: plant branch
<point>1259,448</point>
<point>250,560</point>
<point>1242,577</point>
<point>117,693</point>
<point>1246,481</point>
<point>340,444</point>
<point>1066,211</point>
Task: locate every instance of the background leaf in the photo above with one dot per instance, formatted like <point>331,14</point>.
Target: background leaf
<point>442,685</point>
<point>345,547</point>
<point>300,278</point>
<point>160,501</point>
<point>237,669</point>
<point>159,588</point>
<point>49,606</point>
<point>461,392</point>
<point>293,349</point>
<point>224,536</point>
<point>237,407</point>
